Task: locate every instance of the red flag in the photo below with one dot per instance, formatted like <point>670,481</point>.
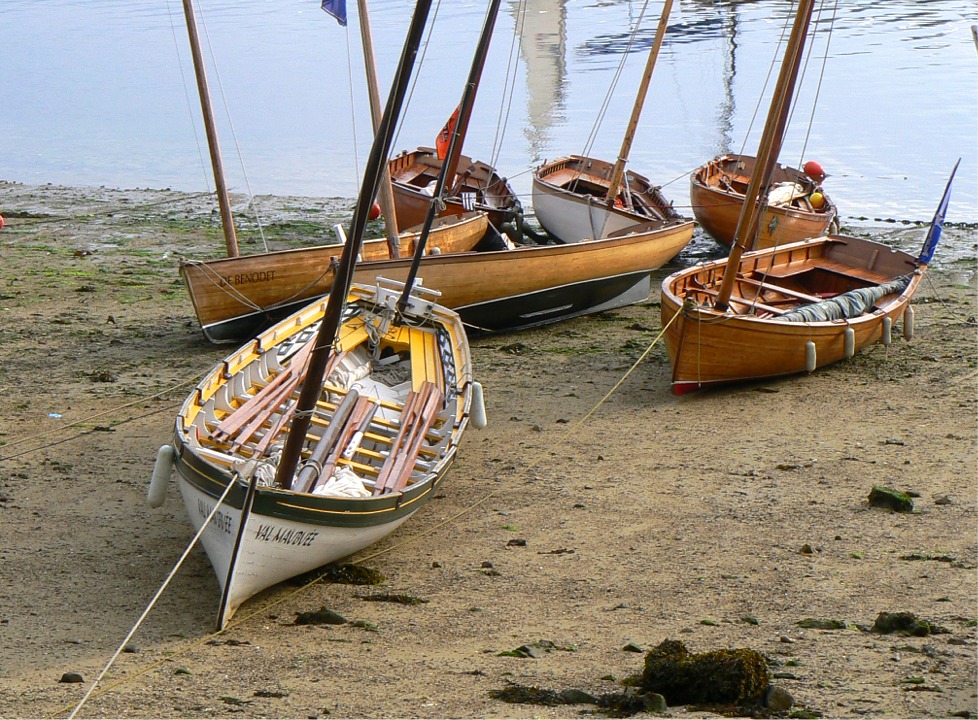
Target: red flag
<point>445,136</point>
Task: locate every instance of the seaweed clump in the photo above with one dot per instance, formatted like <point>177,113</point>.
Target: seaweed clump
<point>734,676</point>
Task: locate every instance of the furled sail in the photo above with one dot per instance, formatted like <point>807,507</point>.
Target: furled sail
<point>847,305</point>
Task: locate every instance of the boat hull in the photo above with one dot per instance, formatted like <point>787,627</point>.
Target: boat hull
<point>569,200</point>
<point>262,533</point>
<point>708,348</point>
<point>495,290</point>
<point>413,172</point>
<point>717,191</point>
<point>235,297</point>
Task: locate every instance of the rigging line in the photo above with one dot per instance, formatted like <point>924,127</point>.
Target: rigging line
<point>234,136</point>
<point>112,427</point>
<point>152,603</point>
<point>242,618</point>
<point>353,105</point>
<point>616,78</point>
<point>186,94</point>
<point>90,418</point>
<point>418,63</point>
<point>785,31</point>
<point>509,84</point>
<point>821,73</point>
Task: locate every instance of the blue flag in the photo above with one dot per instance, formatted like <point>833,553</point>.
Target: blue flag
<point>937,224</point>
<point>336,8</point>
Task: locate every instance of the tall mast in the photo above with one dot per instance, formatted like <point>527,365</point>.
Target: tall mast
<point>770,147</point>
<point>227,221</point>
<point>325,338</point>
<point>626,146</point>
<point>475,75</point>
<point>386,198</point>
<point>454,143</point>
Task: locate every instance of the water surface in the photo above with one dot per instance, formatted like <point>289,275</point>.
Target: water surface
<point>101,92</point>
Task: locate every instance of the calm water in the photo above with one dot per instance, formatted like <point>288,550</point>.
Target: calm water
<point>101,92</point>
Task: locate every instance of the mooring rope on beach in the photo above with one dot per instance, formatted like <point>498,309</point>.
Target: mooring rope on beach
<point>243,618</point>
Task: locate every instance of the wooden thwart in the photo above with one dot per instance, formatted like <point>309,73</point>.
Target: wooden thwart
<point>420,412</point>
<point>242,424</point>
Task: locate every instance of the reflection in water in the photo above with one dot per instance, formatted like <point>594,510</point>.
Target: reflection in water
<point>897,106</point>
<point>725,112</point>
<point>544,40</point>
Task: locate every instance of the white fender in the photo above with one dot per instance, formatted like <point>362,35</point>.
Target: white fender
<point>850,342</point>
<point>478,414</point>
<point>810,359</point>
<point>908,323</point>
<point>165,458</point>
<point>887,330</point>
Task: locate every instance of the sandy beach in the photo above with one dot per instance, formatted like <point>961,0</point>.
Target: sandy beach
<point>586,524</point>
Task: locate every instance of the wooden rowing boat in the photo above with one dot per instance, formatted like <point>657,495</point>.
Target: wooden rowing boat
<point>385,430</point>
<point>236,296</point>
<point>753,338</point>
<point>577,198</point>
<point>326,432</point>
<point>569,200</point>
<point>476,186</point>
<point>797,208</point>
<point>233,298</point>
<point>788,309</point>
<point>496,290</point>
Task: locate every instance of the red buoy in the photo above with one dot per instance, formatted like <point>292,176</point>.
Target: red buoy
<point>375,211</point>
<point>1,222</point>
<point>814,171</point>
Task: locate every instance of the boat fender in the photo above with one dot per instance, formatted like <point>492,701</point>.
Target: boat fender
<point>810,356</point>
<point>478,414</point>
<point>165,458</point>
<point>850,342</point>
<point>908,324</point>
<point>887,330</point>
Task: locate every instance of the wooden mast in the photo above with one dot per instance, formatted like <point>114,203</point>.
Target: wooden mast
<point>770,147</point>
<point>325,338</point>
<point>386,197</point>
<point>475,76</point>
<point>454,143</point>
<point>626,146</point>
<point>230,239</point>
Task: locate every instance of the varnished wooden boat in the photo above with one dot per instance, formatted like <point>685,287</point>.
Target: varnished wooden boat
<point>755,338</point>
<point>476,186</point>
<point>385,430</point>
<point>327,431</point>
<point>717,192</point>
<point>577,198</point>
<point>792,308</point>
<point>570,201</point>
<point>235,297</point>
<point>495,290</point>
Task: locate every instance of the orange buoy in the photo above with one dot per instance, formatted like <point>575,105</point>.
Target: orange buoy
<point>375,211</point>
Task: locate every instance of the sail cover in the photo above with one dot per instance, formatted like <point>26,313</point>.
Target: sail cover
<point>847,305</point>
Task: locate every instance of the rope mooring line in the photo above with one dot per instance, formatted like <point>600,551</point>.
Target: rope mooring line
<point>152,603</point>
<point>245,617</point>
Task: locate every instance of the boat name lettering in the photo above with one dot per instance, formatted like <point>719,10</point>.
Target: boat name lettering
<point>222,521</point>
<point>259,276</point>
<point>271,533</point>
